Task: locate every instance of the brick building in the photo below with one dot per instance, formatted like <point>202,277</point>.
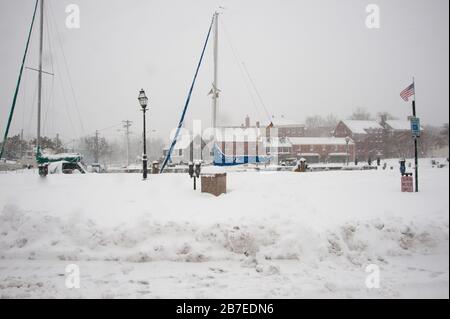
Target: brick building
<point>368,137</point>
<point>285,128</point>
<point>323,149</point>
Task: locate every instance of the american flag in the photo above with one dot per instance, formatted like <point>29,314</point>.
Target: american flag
<point>406,93</point>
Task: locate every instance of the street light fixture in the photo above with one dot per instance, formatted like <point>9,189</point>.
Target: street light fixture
<point>143,101</point>
<point>347,140</point>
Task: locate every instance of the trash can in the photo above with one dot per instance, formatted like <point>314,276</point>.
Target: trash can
<point>215,184</point>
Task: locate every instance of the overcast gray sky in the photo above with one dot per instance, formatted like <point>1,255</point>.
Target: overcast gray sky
<point>305,57</point>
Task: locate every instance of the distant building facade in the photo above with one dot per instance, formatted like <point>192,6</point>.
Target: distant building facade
<point>285,128</point>
<point>323,149</point>
<point>286,140</point>
<point>368,137</point>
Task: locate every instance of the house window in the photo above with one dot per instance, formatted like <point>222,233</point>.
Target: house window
<point>180,152</point>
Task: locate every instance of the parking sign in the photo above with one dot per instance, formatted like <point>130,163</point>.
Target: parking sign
<point>415,126</point>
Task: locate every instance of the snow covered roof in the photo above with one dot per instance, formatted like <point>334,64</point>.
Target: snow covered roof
<point>61,156</point>
<point>361,127</point>
<point>281,121</point>
<point>229,134</point>
<point>399,125</point>
<point>319,141</point>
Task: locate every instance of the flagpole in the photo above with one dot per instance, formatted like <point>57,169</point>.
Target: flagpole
<point>414,99</point>
<point>416,160</point>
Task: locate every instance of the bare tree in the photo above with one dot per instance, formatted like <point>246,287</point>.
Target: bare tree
<point>94,148</point>
<point>360,114</point>
<point>314,121</point>
<point>331,120</point>
<point>386,116</point>
<point>317,125</point>
<point>444,135</point>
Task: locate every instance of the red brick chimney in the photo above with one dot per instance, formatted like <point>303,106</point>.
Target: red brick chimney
<point>247,121</point>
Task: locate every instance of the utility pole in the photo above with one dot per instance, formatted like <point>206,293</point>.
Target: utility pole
<point>126,126</point>
<point>21,144</point>
<point>96,147</point>
<point>57,142</point>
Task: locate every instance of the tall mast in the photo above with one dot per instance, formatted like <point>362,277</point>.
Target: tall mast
<point>215,90</point>
<point>41,42</point>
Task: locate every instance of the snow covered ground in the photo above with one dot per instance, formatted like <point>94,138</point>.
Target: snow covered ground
<point>273,235</point>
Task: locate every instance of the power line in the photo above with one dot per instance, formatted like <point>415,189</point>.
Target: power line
<point>257,92</point>
<point>110,127</point>
<point>244,71</point>
<point>67,68</point>
<point>237,61</point>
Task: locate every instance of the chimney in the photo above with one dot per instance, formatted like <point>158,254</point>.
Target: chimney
<point>247,121</point>
<point>257,124</point>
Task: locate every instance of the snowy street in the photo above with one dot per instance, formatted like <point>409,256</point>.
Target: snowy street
<point>273,235</point>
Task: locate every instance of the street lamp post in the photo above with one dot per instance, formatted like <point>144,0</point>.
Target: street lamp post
<point>347,140</point>
<point>143,100</point>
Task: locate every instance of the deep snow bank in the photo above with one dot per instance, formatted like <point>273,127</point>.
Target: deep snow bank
<point>354,217</point>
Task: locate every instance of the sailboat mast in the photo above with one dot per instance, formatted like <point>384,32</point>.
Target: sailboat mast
<point>215,95</point>
<point>41,44</point>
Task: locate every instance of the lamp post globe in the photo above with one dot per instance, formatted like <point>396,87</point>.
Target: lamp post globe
<point>143,99</point>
